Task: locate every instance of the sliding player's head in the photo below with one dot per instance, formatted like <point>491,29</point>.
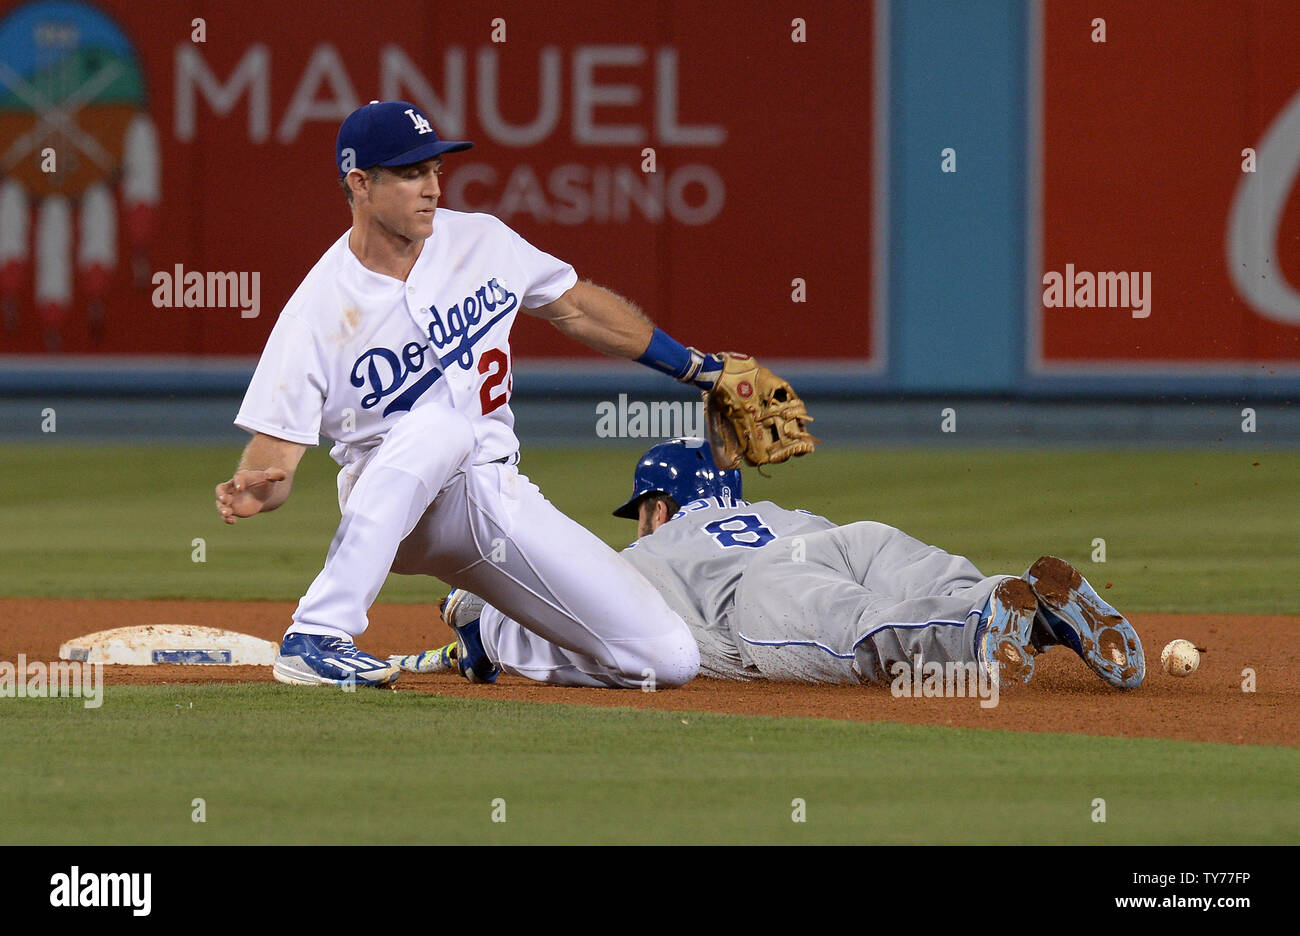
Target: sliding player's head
<point>671,475</point>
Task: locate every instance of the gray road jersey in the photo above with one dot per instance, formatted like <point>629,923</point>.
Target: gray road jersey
<point>695,561</point>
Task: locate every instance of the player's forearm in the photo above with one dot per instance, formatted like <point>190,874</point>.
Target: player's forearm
<point>602,320</point>
<point>607,322</point>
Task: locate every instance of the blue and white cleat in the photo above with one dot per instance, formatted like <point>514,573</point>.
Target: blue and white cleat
<point>461,610</point>
<point>313,660</point>
<point>441,660</point>
<point>1003,644</point>
<point>1090,627</point>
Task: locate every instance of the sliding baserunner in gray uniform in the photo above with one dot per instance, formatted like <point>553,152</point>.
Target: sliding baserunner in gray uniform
<point>779,594</point>
<point>770,593</point>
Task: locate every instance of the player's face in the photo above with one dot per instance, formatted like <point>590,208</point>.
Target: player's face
<point>650,516</point>
<point>404,199</point>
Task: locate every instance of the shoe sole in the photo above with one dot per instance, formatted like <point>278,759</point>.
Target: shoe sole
<point>1007,638</point>
<point>302,675</point>
<point>1088,625</point>
<point>450,606</point>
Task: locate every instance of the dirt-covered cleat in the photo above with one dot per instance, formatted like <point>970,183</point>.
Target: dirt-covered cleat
<point>1081,620</point>
<point>1003,643</point>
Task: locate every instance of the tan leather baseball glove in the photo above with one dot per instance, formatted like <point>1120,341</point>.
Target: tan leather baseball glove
<point>754,415</point>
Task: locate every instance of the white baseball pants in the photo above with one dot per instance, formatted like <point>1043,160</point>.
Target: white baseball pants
<point>418,505</point>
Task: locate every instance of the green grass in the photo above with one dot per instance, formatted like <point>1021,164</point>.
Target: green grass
<point>280,764</point>
<point>1184,531</point>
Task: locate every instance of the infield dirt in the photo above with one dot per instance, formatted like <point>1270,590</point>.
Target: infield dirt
<point>1064,696</point>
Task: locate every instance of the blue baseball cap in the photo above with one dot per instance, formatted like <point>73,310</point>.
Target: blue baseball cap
<point>389,133</point>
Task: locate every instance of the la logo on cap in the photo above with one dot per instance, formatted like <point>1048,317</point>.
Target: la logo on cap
<point>421,124</point>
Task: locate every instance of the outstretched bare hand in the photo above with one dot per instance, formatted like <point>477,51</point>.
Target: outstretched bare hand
<point>247,492</point>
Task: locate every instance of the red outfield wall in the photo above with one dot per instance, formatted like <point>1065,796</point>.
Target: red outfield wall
<point>1142,160</point>
<point>763,149</point>
<point>765,164</point>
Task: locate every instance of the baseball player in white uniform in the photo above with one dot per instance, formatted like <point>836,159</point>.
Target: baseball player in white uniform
<point>397,346</point>
<point>770,593</point>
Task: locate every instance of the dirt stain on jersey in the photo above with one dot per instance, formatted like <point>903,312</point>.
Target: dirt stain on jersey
<point>347,327</point>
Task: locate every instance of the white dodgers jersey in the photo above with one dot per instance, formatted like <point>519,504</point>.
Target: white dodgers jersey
<point>353,350</point>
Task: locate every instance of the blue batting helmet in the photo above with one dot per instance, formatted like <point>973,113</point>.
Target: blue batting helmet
<point>684,470</point>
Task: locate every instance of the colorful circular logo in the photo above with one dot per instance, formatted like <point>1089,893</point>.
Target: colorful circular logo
<point>70,81</point>
<point>78,154</point>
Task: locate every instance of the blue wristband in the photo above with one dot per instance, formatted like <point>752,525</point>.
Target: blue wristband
<point>666,355</point>
<point>688,365</point>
